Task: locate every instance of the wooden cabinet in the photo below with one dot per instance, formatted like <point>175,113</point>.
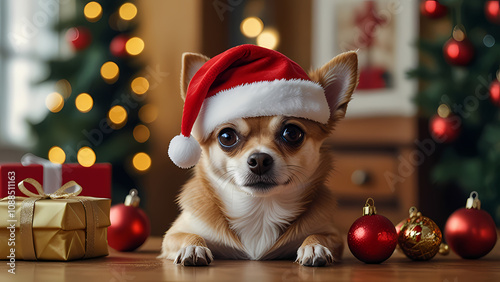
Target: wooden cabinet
<point>374,157</point>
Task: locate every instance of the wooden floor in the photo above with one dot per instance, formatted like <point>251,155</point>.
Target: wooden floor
<point>142,265</point>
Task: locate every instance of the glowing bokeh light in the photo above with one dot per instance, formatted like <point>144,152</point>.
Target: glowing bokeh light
<point>127,11</point>
<point>443,111</point>
<point>84,102</point>
<point>141,161</point>
<point>57,155</point>
<point>92,11</point>
<point>86,157</point>
<point>251,27</point>
<point>54,102</point>
<point>269,38</point>
<point>110,71</point>
<point>141,133</point>
<point>140,85</point>
<point>134,46</point>
<point>117,115</point>
<point>64,88</point>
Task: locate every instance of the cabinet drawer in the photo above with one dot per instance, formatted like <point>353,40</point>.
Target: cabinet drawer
<point>358,175</point>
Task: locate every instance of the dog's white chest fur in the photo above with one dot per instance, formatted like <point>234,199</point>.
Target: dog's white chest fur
<point>259,221</point>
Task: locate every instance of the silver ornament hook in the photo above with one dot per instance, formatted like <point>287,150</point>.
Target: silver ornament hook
<point>473,201</point>
<point>132,198</point>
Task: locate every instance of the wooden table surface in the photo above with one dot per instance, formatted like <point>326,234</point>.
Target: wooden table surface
<point>142,265</point>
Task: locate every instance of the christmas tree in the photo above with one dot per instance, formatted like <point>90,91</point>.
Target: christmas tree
<point>460,95</point>
<point>98,112</point>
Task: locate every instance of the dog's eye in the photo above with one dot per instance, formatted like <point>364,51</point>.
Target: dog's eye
<point>292,134</point>
<point>228,138</point>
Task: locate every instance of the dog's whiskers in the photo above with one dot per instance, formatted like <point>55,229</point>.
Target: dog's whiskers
<point>226,177</point>
<point>295,173</point>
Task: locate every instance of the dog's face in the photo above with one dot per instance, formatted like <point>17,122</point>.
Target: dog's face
<point>265,155</point>
<point>268,155</point>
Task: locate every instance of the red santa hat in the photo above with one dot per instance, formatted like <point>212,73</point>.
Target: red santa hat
<point>244,81</point>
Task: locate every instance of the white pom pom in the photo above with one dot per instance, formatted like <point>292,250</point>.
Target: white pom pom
<point>184,151</point>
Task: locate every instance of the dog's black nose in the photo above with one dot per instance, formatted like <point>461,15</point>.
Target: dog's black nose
<point>260,163</point>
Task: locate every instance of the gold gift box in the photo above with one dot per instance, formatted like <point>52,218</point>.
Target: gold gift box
<point>59,229</point>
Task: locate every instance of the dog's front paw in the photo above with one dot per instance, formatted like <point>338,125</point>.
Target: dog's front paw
<point>314,255</point>
<point>194,255</point>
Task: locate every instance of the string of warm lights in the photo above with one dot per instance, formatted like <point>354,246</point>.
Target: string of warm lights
<point>141,133</point>
<point>64,88</point>
<point>86,157</point>
<point>134,46</point>
<point>110,72</point>
<point>140,85</point>
<point>84,102</point>
<point>141,161</point>
<point>54,102</point>
<point>253,27</point>
<point>92,11</point>
<point>127,11</point>
<point>117,115</point>
<point>57,155</point>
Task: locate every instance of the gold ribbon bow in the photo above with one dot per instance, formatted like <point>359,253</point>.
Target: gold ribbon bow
<point>28,209</point>
<point>59,194</point>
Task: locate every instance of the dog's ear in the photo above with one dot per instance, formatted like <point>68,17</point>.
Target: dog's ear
<point>191,63</point>
<point>339,78</point>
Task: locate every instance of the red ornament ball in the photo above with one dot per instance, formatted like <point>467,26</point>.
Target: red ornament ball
<point>432,9</point>
<point>495,93</point>
<point>129,227</point>
<point>492,11</point>
<point>470,232</point>
<point>372,238</point>
<point>445,129</point>
<point>458,53</point>
<point>117,46</point>
<point>79,37</point>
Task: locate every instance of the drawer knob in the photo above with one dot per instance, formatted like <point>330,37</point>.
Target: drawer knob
<point>360,177</point>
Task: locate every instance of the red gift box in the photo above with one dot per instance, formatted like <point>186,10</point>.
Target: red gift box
<point>95,180</point>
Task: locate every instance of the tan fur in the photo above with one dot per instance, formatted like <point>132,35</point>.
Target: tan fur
<point>321,75</point>
<point>312,232</point>
<point>184,240</point>
<point>189,61</point>
<point>199,198</point>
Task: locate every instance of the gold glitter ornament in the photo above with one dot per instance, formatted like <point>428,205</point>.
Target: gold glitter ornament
<point>419,237</point>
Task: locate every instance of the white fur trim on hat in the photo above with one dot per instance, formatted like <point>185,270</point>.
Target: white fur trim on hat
<point>184,151</point>
<point>295,97</point>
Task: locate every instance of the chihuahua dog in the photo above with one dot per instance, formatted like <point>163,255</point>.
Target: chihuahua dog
<point>258,191</point>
